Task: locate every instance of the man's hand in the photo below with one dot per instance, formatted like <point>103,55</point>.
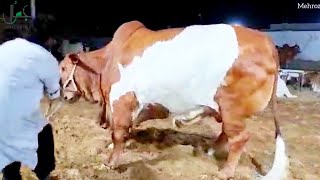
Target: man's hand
<point>50,114</point>
<point>50,119</point>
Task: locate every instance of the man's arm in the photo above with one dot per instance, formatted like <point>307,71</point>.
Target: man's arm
<point>49,74</point>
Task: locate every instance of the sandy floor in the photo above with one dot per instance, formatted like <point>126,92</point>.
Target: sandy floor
<point>161,152</point>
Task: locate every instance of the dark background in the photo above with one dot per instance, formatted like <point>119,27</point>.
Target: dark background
<point>102,18</point>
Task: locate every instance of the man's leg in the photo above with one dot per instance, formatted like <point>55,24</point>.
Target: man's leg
<point>46,158</point>
<point>12,171</point>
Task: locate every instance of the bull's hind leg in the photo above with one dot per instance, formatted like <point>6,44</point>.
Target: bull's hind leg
<point>121,123</point>
<point>232,139</point>
<point>237,103</point>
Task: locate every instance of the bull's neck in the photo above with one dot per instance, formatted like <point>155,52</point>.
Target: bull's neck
<point>110,75</point>
<point>92,91</point>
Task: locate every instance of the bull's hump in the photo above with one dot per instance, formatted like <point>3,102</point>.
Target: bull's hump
<point>143,39</point>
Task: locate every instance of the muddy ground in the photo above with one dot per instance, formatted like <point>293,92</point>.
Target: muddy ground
<point>161,152</point>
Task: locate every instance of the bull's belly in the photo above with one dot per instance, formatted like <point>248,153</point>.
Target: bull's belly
<point>179,103</point>
<point>181,73</point>
<point>181,95</point>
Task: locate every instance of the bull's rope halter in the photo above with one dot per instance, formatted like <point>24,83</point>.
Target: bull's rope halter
<point>71,79</point>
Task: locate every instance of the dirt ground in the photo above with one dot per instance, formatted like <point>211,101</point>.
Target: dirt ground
<point>160,151</point>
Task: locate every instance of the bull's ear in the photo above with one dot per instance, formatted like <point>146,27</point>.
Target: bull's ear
<point>74,58</point>
<point>286,46</point>
<point>297,48</point>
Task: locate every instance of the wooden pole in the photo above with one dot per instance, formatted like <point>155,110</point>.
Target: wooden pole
<point>33,9</point>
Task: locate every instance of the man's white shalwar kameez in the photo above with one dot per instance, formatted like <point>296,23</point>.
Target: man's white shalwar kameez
<point>27,70</point>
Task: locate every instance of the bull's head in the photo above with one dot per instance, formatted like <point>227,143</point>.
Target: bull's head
<point>71,91</point>
<point>292,51</point>
<point>80,77</point>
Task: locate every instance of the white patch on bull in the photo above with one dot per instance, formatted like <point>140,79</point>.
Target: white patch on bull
<point>279,169</point>
<point>181,73</point>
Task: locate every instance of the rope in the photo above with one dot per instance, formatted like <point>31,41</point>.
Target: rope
<point>59,105</point>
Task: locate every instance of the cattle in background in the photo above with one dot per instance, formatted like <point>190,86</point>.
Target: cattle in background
<point>221,71</point>
<point>312,80</point>
<point>287,54</point>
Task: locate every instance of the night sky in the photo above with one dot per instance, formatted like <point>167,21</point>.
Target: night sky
<point>101,18</point>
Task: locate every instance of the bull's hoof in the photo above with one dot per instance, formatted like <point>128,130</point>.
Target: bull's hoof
<point>226,174</point>
<point>111,163</point>
<point>104,125</point>
<point>109,166</point>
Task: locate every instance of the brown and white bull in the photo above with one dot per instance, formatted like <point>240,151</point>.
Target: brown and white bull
<point>223,71</point>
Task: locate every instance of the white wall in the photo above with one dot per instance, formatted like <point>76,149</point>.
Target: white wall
<point>309,42</point>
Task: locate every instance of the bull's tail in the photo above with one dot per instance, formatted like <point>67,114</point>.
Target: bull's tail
<point>280,164</point>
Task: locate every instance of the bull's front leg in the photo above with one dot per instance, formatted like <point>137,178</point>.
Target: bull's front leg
<point>103,121</point>
<point>123,109</point>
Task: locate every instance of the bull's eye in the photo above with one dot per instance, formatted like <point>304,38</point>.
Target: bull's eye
<point>63,69</point>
